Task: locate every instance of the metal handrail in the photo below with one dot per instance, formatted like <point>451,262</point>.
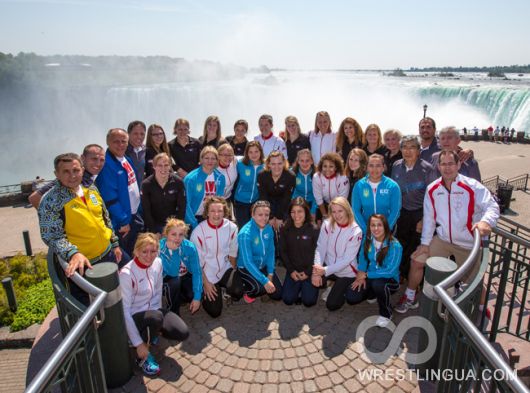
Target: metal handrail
<point>51,367</point>
<point>512,237</point>
<point>483,345</point>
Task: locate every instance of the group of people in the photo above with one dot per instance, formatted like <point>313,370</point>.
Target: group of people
<point>496,134</point>
<point>198,220</point>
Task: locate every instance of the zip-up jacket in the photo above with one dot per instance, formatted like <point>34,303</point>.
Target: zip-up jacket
<point>138,160</point>
<point>256,250</point>
<point>69,225</point>
<point>297,248</point>
<point>141,290</point>
<point>386,201</point>
<point>453,213</point>
<point>271,144</point>
<point>247,185</point>
<point>302,142</point>
<point>337,249</point>
<point>185,157</point>
<point>322,144</point>
<point>215,245</point>
<point>230,174</point>
<point>390,266</point>
<point>304,188</point>
<point>277,193</point>
<point>194,185</point>
<point>113,185</point>
<point>172,264</point>
<point>327,188</point>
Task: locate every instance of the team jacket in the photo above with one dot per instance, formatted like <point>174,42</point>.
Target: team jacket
<point>337,249</point>
<point>390,266</point>
<point>325,189</point>
<point>304,188</point>
<point>141,290</point>
<point>173,267</point>
<point>302,142</point>
<point>215,245</point>
<point>256,250</point>
<point>277,193</point>
<point>271,144</point>
<point>68,225</point>
<point>230,174</point>
<point>247,185</point>
<point>322,144</point>
<point>386,201</point>
<point>194,186</point>
<point>453,213</point>
<point>112,183</point>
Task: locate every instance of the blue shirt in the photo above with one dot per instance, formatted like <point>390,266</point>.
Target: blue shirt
<point>256,250</point>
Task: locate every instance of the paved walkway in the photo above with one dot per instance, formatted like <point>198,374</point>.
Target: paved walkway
<point>13,365</point>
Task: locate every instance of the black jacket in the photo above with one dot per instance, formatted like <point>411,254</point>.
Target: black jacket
<point>161,203</point>
<point>278,194</point>
<point>297,248</point>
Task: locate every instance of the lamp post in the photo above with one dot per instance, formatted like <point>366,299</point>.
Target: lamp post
<point>424,110</point>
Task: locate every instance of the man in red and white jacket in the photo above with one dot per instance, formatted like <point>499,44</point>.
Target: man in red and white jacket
<point>454,206</point>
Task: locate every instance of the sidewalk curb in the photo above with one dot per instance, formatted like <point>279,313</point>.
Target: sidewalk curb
<point>21,339</point>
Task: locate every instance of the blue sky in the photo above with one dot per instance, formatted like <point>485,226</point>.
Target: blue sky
<point>289,34</point>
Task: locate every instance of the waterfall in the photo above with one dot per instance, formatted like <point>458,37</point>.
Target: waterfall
<point>504,105</point>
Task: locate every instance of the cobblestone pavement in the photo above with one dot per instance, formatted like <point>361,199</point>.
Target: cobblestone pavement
<point>271,347</point>
<point>13,364</point>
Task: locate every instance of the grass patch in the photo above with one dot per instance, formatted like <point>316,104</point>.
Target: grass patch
<point>33,308</point>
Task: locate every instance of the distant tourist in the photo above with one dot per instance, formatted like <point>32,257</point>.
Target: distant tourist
<point>74,222</point>
<point>136,149</point>
<point>118,185</point>
<point>512,133</point>
<point>268,141</point>
<point>475,132</point>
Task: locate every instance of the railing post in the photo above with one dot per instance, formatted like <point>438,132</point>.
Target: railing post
<point>112,333</point>
<point>27,243</point>
<point>437,269</point>
<point>505,257</point>
<point>10,293</point>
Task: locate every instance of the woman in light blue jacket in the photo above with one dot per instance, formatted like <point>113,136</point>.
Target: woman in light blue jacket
<point>378,270</point>
<point>202,182</point>
<point>247,192</point>
<point>256,258</point>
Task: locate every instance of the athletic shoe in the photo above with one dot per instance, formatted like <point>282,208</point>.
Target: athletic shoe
<point>149,365</point>
<point>372,300</point>
<point>406,304</point>
<point>325,294</point>
<point>248,299</point>
<point>382,321</point>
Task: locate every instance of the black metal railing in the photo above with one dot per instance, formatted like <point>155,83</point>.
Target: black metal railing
<point>465,351</point>
<point>76,365</point>
<point>518,182</point>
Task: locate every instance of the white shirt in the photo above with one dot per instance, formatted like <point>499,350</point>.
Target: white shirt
<point>134,191</point>
<point>325,189</point>
<point>215,245</point>
<point>230,174</point>
<point>322,144</point>
<point>272,143</point>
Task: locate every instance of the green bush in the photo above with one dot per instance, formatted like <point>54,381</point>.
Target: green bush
<point>25,272</point>
<point>33,308</point>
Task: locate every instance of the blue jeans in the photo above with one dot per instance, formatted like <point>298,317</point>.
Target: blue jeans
<point>293,290</point>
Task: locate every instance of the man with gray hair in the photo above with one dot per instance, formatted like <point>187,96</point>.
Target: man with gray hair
<point>413,175</point>
<point>449,138</point>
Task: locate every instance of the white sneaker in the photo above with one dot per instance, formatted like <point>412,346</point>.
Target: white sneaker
<point>382,321</point>
<point>372,300</point>
<point>325,294</point>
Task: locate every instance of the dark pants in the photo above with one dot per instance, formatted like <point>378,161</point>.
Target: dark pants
<point>407,235</point>
<point>127,242</point>
<point>81,295</point>
<point>294,290</point>
<point>253,288</point>
<point>339,291</point>
<point>177,290</point>
<point>152,322</point>
<point>380,288</point>
<point>242,213</point>
<point>231,280</point>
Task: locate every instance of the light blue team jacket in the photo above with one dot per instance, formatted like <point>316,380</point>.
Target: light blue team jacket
<point>247,189</point>
<point>390,266</point>
<point>256,250</point>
